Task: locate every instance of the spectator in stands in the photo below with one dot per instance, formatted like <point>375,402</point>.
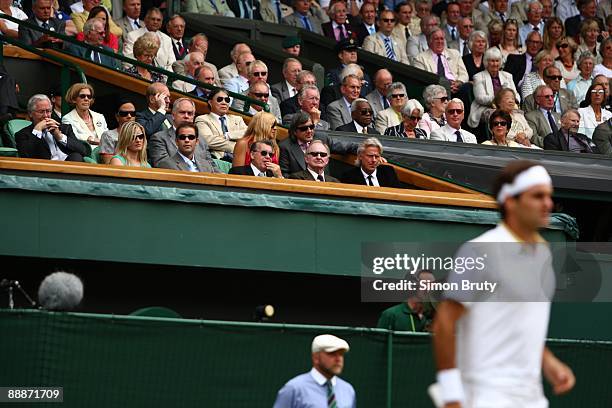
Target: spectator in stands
<point>261,127</point>
<point>553,32</point>
<point>309,99</point>
<point>532,79</point>
<point>378,97</point>
<point>42,18</point>
<point>291,105</point>
<point>382,43</point>
<point>153,23</point>
<point>8,28</point>
<point>495,28</point>
<point>588,11</point>
<point>412,113</point>
<point>520,65</point>
<point>185,158</point>
<point>210,7</point>
<point>510,41</point>
<point>131,146</point>
<point>467,10</point>
<point>347,54</point>
<point>292,45</point>
<point>339,111</point>
<point>486,84</point>
<point>436,99</point>
<point>80,18</point>
<point>391,116</point>
<point>474,61</point>
<point>303,17</point>
<point>545,119</point>
<point>204,75</point>
<point>287,88</point>
<point>199,42</point>
<point>362,118</point>
<point>93,32</point>
<point>418,44</point>
<point>163,143</point>
<point>589,35</point>
<point>176,30</point>
<point>154,117</point>
<point>260,91</point>
<point>193,61</point>
<point>45,138</point>
<point>534,20</point>
<point>605,51</point>
<point>566,62</point>
<point>369,170</point>
<point>594,113</point>
<point>567,138</point>
<point>231,71</point>
<point>55,95</point>
<point>452,132</point>
<point>582,82</point>
<point>461,44</point>
<point>605,82</point>
<point>338,28</point>
<point>261,165</point>
<point>402,30</point>
<point>131,17</point>
<point>240,83</point>
<point>452,22</point>
<point>258,72</point>
<point>220,129</point>
<point>301,134</point>
<point>602,137</point>
<point>367,27</point>
<point>145,50</point>
<point>498,11</point>
<point>500,123</point>
<point>126,112</point>
<point>317,159</point>
<point>564,99</point>
<point>110,40</point>
<point>86,124</point>
<point>422,9</point>
<point>520,131</point>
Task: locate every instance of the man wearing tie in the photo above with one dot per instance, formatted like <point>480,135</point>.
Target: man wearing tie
<point>184,159</point>
<point>453,14</point>
<point>154,117</point>
<point>466,27</point>
<point>534,21</point>
<point>338,28</point>
<point>382,43</point>
<point>94,36</point>
<point>543,120</point>
<point>362,114</point>
<point>131,19</point>
<point>261,165</point>
<point>369,171</point>
<point>42,10</point>
<point>317,158</point>
<point>210,7</point>
<point>452,132</point>
<point>176,31</point>
<point>303,18</point>
<point>378,97</point>
<point>402,32</point>
<point>368,22</point>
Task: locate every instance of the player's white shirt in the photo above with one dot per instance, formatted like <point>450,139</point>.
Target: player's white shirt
<point>499,343</point>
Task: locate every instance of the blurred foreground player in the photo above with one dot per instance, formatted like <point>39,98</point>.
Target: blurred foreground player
<point>492,353</point>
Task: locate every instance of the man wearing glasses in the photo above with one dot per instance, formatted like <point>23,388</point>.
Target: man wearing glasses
<point>521,64</point>
<point>382,42</point>
<point>564,99</point>
<point>258,74</point>
<point>362,114</point>
<point>317,158</point>
<point>452,132</point>
<point>240,83</point>
<point>184,159</point>
<point>544,120</point>
<point>261,162</point>
<point>94,35</point>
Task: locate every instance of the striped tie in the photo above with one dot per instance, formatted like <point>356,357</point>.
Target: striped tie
<point>331,397</point>
<point>389,49</point>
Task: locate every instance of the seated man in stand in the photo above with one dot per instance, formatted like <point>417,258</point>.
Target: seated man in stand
<point>261,162</point>
<point>317,159</point>
<point>369,171</point>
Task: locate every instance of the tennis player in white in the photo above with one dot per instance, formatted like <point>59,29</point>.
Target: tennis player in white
<point>492,354</point>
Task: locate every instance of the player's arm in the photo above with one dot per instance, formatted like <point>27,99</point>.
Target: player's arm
<point>557,373</point>
<point>444,325</point>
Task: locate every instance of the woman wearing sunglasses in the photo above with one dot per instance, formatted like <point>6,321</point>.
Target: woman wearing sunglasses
<point>261,127</point>
<point>397,97</point>
<point>500,123</point>
<point>412,113</point>
<point>86,124</point>
<point>131,147</point>
<point>436,99</point>
<point>126,112</point>
<point>520,131</point>
<point>565,62</point>
<point>594,113</point>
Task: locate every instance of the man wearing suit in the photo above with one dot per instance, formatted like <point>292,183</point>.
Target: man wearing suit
<point>378,97</point>
<point>317,158</point>
<point>543,120</point>
<point>131,19</point>
<point>468,11</point>
<point>452,132</point>
<point>588,9</point>
<point>153,23</point>
<point>499,11</point>
<point>185,158</point>
<point>287,88</point>
<point>198,42</point>
<point>534,21</point>
<point>154,117</point>
<point>602,137</point>
<point>402,30</point>
<point>368,22</point>
<point>303,18</point>
<point>382,43</point>
<point>45,138</point>
<point>339,111</point>
<point>369,171</point>
<point>163,145</point>
<point>210,7</point>
<point>520,64</point>
<point>94,36</point>
<point>291,105</point>
<point>193,61</point>
<point>466,27</point>
<point>453,14</point>
<point>261,162</point>
<point>42,10</point>
<point>338,28</point>
<point>567,138</point>
<point>259,90</point>
<point>176,31</point>
<point>231,70</point>
<point>564,99</point>
<point>362,114</point>
<point>417,44</point>
<point>205,75</point>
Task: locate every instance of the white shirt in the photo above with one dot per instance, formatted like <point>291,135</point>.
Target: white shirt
<point>133,23</point>
<point>448,134</point>
<point>257,172</point>
<point>358,127</point>
<point>588,122</point>
<point>56,153</point>
<point>315,174</point>
<point>366,175</point>
<point>189,162</point>
<point>291,88</point>
<point>16,13</point>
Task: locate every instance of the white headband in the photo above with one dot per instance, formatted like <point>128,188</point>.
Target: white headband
<point>533,176</point>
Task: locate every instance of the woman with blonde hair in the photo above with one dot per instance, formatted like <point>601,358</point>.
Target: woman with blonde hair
<point>261,127</point>
<point>589,33</point>
<point>542,60</point>
<point>510,39</point>
<point>145,50</point>
<point>566,61</point>
<point>86,124</point>
<point>131,146</point>
<point>553,32</point>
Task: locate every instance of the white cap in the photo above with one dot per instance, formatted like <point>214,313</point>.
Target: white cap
<point>328,344</point>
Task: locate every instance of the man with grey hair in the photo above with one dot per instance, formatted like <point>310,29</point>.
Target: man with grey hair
<point>317,159</point>
<point>42,17</point>
<point>291,105</point>
<point>231,70</point>
<point>163,144</point>
<point>287,88</point>
<point>309,100</point>
<point>332,91</point>
<point>193,61</point>
<point>240,83</point>
<point>543,120</point>
<point>339,111</point>
<point>452,132</point>
<point>362,115</point>
<point>369,170</point>
<point>45,138</point>
<point>534,20</point>
<point>338,28</point>
<point>260,91</point>
<point>564,99</point>
<point>94,33</point>
<point>461,44</point>
<point>567,138</point>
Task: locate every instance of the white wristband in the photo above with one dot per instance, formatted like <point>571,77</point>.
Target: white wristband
<point>451,386</point>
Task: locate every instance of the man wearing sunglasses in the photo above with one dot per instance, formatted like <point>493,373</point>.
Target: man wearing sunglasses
<point>261,162</point>
<point>362,115</point>
<point>382,42</point>
<point>451,131</point>
<point>184,159</point>
<point>108,141</point>
<point>564,99</point>
<point>317,158</point>
<point>258,74</point>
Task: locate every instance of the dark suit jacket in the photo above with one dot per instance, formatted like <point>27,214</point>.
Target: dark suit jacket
<point>235,7</point>
<point>328,30</point>
<point>350,127</point>
<point>289,106</point>
<point>332,79</point>
<point>385,174</point>
<point>516,64</point>
<point>557,141</point>
<point>178,55</point>
<point>247,171</point>
<point>29,36</point>
<point>362,32</point>
<point>85,53</point>
<point>152,123</point>
<point>280,91</point>
<point>29,146</point>
<point>306,175</point>
<point>176,162</point>
<point>292,157</point>
<point>602,137</point>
